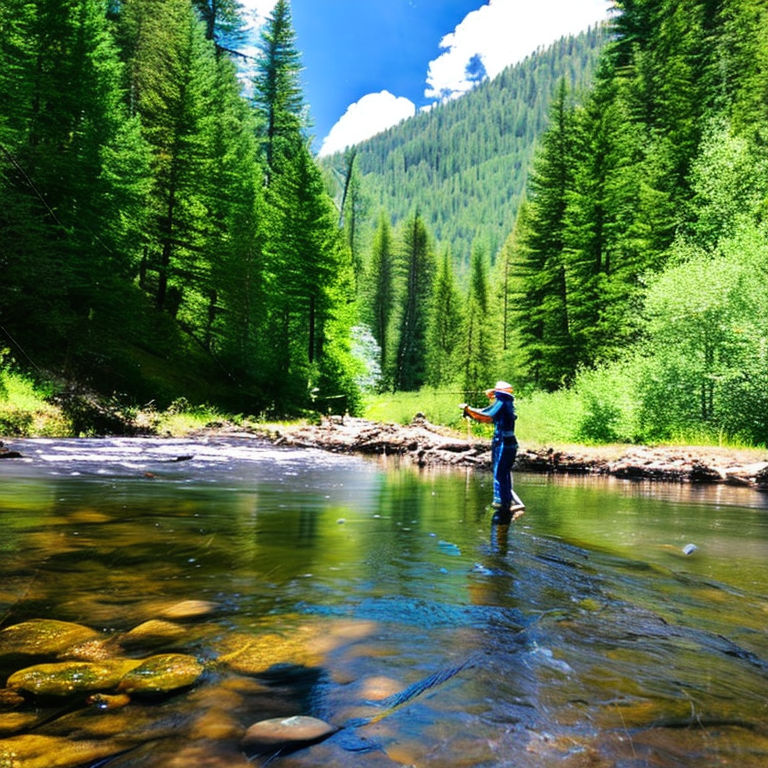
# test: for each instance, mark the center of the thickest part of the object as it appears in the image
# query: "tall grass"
(543, 418)
(602, 408)
(25, 409)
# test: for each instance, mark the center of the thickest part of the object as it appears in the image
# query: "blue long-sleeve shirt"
(502, 413)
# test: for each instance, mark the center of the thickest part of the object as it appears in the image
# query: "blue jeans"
(503, 455)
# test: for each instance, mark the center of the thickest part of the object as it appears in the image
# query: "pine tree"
(445, 334)
(602, 247)
(508, 293)
(172, 78)
(382, 288)
(542, 313)
(479, 353)
(740, 62)
(415, 267)
(353, 208)
(234, 230)
(277, 91)
(307, 262)
(223, 23)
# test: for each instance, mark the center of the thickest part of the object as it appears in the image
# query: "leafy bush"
(708, 319)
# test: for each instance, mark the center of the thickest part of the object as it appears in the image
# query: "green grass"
(25, 411)
(543, 418)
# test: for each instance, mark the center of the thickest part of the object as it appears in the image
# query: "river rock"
(188, 609)
(37, 751)
(761, 477)
(105, 701)
(255, 654)
(153, 632)
(13, 722)
(162, 673)
(70, 677)
(278, 731)
(46, 637)
(9, 699)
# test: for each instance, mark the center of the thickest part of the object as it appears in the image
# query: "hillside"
(464, 164)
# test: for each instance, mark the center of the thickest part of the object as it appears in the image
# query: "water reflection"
(331, 583)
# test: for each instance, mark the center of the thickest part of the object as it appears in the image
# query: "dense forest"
(163, 234)
(463, 164)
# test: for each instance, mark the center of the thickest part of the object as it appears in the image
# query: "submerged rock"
(162, 673)
(70, 677)
(106, 701)
(153, 632)
(13, 722)
(188, 609)
(36, 751)
(256, 654)
(49, 637)
(9, 699)
(277, 732)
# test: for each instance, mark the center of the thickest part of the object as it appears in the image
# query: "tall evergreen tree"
(740, 63)
(234, 234)
(445, 334)
(542, 313)
(416, 269)
(277, 90)
(172, 79)
(308, 265)
(603, 249)
(382, 287)
(479, 348)
(223, 23)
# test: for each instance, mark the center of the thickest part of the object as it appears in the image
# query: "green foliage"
(380, 294)
(609, 401)
(416, 268)
(143, 250)
(729, 182)
(401, 407)
(276, 88)
(478, 349)
(543, 309)
(708, 315)
(25, 409)
(446, 325)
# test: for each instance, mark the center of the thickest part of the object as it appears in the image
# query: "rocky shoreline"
(426, 445)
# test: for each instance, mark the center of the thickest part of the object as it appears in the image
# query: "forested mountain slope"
(463, 165)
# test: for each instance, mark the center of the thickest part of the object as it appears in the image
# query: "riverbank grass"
(545, 418)
(25, 408)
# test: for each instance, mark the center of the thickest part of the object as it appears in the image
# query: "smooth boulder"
(286, 731)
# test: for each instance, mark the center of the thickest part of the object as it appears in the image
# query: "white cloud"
(501, 33)
(256, 11)
(369, 115)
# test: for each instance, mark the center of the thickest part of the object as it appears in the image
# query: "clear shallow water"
(593, 640)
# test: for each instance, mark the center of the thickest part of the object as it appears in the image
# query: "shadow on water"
(382, 600)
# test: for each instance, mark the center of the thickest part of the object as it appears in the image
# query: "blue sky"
(370, 63)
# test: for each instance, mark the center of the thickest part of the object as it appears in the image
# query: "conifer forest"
(594, 218)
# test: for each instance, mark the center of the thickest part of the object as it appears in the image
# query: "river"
(582, 635)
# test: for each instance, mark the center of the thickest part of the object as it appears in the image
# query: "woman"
(501, 412)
